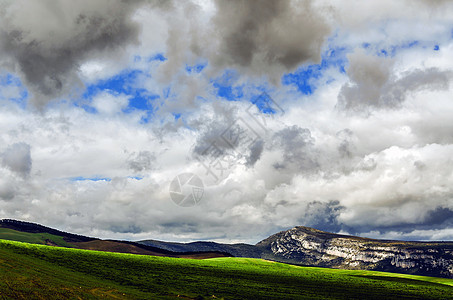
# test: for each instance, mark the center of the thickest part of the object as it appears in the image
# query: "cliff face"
(307, 246)
(311, 247)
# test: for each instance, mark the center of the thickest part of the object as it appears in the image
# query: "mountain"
(310, 247)
(34, 233)
(299, 245)
(236, 250)
(36, 228)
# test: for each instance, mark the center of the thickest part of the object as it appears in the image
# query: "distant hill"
(299, 245)
(20, 231)
(36, 228)
(237, 250)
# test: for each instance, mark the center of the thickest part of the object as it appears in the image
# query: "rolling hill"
(299, 245)
(15, 230)
(31, 271)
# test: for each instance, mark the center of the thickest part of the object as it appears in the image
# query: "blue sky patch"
(81, 178)
(87, 108)
(158, 57)
(306, 77)
(225, 86)
(128, 83)
(265, 103)
(393, 49)
(197, 68)
(10, 80)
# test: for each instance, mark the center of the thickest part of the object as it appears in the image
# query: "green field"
(32, 238)
(30, 271)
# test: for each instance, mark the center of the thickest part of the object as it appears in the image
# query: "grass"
(30, 271)
(32, 238)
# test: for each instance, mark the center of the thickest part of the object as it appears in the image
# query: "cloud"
(346, 145)
(297, 148)
(211, 127)
(258, 38)
(108, 104)
(17, 158)
(7, 189)
(323, 215)
(369, 74)
(46, 42)
(141, 161)
(367, 152)
(374, 82)
(53, 46)
(256, 150)
(268, 38)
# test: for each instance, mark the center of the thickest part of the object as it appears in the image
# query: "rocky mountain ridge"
(308, 246)
(311, 247)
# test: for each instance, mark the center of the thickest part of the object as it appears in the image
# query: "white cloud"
(380, 164)
(108, 104)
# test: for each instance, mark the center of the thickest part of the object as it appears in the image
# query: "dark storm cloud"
(127, 228)
(373, 83)
(296, 144)
(437, 218)
(211, 130)
(17, 158)
(47, 41)
(255, 152)
(322, 215)
(259, 38)
(261, 35)
(440, 216)
(228, 139)
(210, 142)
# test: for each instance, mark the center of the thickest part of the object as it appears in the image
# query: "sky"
(336, 115)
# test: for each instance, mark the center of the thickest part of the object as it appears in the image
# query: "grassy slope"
(32, 238)
(100, 245)
(35, 271)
